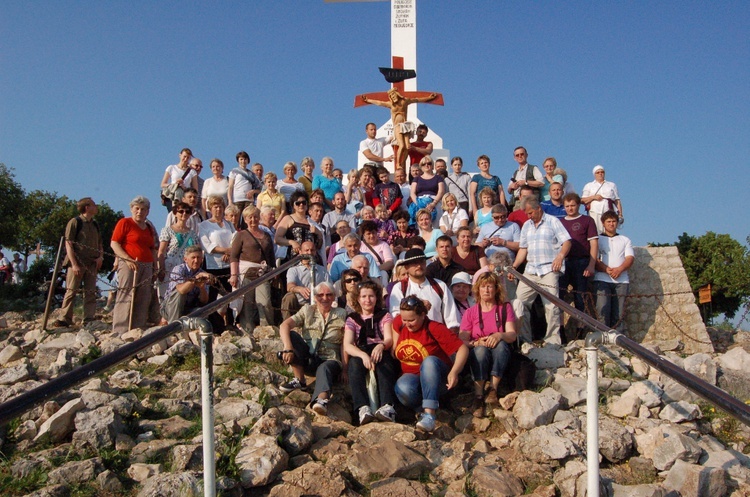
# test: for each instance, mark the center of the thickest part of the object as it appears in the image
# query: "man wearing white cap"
(600, 196)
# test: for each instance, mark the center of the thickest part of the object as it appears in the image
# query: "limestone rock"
(156, 448)
(735, 463)
(10, 353)
(61, 423)
(397, 487)
(491, 482)
(677, 412)
(644, 490)
(451, 468)
(51, 491)
(375, 433)
(313, 478)
(125, 378)
(701, 365)
(649, 392)
(616, 443)
(174, 427)
(235, 408)
(15, 374)
(172, 485)
(736, 359)
(624, 406)
(535, 409)
(571, 480)
(108, 481)
(224, 353)
(548, 357)
(573, 390)
(26, 431)
(289, 423)
(141, 472)
(260, 459)
(692, 479)
(98, 428)
(182, 348)
(187, 457)
(76, 471)
(665, 445)
(389, 458)
(545, 443)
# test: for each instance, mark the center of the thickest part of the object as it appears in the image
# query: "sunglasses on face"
(351, 280)
(183, 211)
(300, 202)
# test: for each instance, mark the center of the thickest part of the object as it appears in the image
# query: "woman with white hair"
(134, 242)
(313, 340)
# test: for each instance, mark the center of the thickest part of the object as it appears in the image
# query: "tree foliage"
(11, 205)
(721, 261)
(40, 217)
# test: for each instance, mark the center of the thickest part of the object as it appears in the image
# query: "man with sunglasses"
(191, 198)
(526, 175)
(500, 235)
(434, 293)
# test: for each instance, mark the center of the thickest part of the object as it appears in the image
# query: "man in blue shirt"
(188, 286)
(343, 261)
(554, 206)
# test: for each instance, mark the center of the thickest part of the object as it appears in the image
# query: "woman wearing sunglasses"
(295, 228)
(431, 357)
(314, 349)
(368, 338)
(173, 240)
(349, 280)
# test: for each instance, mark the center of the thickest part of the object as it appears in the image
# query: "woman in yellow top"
(272, 197)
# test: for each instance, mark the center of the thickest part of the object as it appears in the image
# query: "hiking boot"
(386, 413)
(426, 422)
(477, 407)
(290, 386)
(491, 398)
(320, 406)
(365, 415)
(61, 323)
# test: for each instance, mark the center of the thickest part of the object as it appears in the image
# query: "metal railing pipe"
(20, 404)
(710, 393)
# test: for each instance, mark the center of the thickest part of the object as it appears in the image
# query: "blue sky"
(97, 98)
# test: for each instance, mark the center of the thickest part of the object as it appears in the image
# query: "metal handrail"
(699, 386)
(22, 403)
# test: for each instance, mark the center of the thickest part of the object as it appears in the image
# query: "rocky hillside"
(136, 430)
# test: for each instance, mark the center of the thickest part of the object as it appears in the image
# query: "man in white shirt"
(611, 281)
(434, 293)
(372, 148)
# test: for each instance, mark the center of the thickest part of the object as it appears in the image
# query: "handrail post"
(207, 400)
(592, 413)
(52, 284)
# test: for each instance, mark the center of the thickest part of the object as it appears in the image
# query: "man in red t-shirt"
(419, 147)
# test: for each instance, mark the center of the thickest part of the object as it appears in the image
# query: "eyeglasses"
(351, 280)
(324, 295)
(500, 216)
(183, 211)
(300, 202)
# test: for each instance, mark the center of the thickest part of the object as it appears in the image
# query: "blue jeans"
(484, 361)
(424, 389)
(386, 372)
(610, 303)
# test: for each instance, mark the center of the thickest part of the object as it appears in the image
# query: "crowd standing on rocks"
(397, 329)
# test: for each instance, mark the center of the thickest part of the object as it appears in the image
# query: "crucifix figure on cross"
(398, 101)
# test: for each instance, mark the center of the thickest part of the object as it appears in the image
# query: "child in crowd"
(386, 192)
(386, 226)
(484, 213)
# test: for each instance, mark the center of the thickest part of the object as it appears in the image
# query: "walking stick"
(53, 283)
(132, 296)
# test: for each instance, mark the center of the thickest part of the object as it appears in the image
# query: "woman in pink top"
(488, 328)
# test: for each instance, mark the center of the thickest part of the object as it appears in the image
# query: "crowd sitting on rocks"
(405, 290)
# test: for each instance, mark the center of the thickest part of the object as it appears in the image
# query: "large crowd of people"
(403, 283)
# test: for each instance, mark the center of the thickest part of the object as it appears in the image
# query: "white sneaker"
(386, 413)
(365, 415)
(320, 406)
